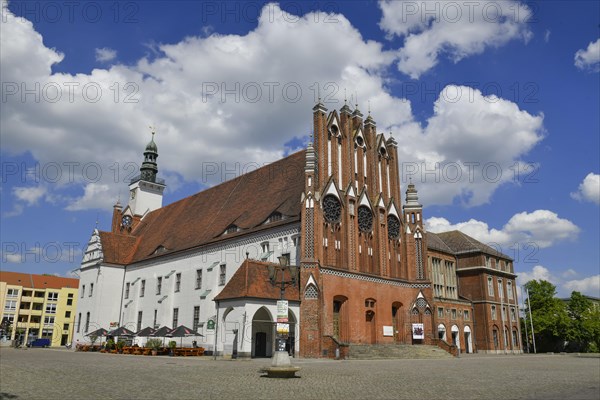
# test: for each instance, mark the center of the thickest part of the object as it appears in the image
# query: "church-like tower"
(145, 193)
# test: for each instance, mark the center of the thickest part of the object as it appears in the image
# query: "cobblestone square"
(62, 374)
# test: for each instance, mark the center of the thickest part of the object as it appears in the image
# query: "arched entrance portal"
(262, 333)
(442, 332)
(398, 321)
(339, 321)
(468, 340)
(455, 336)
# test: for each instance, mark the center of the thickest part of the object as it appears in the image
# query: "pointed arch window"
(311, 292)
(393, 227)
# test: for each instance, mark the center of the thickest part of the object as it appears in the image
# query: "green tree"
(585, 324)
(550, 318)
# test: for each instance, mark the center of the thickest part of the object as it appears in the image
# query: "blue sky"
(494, 105)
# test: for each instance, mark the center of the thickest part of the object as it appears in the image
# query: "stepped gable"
(463, 243)
(435, 243)
(251, 280)
(246, 202)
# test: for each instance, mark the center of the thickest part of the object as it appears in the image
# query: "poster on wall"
(388, 331)
(417, 331)
(283, 329)
(282, 311)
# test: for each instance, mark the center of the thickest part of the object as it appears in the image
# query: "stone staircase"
(381, 351)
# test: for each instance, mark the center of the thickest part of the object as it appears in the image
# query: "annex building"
(37, 306)
(370, 273)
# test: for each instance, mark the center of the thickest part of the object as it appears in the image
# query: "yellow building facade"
(37, 306)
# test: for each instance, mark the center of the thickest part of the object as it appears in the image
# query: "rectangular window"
(127, 286)
(513, 315)
(488, 262)
(12, 293)
(87, 322)
(91, 289)
(52, 296)
(142, 287)
(497, 263)
(503, 313)
(50, 308)
(500, 289)
(69, 302)
(196, 318)
(46, 333)
(198, 278)
(67, 314)
(177, 282)
(175, 317)
(453, 313)
(466, 315)
(65, 327)
(440, 312)
(222, 275)
(158, 285)
(70, 295)
(490, 286)
(82, 291)
(493, 312)
(79, 323)
(139, 321)
(10, 305)
(48, 320)
(509, 290)
(154, 324)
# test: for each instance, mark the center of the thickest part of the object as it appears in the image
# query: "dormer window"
(231, 229)
(160, 249)
(382, 151)
(334, 130)
(276, 216)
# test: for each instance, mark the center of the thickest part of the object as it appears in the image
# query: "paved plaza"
(62, 374)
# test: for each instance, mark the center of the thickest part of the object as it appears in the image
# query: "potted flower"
(154, 344)
(172, 345)
(120, 345)
(110, 345)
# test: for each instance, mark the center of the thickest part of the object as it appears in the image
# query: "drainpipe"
(216, 330)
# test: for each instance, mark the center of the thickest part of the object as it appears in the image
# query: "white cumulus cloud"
(220, 100)
(589, 59)
(468, 148)
(589, 189)
(456, 29)
(105, 54)
(589, 285)
(540, 228)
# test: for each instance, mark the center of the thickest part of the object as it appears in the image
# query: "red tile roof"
(246, 201)
(38, 281)
(252, 280)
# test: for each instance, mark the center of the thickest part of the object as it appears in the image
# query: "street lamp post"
(281, 365)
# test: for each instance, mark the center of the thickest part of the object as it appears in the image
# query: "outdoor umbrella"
(161, 332)
(183, 331)
(146, 332)
(99, 333)
(121, 331)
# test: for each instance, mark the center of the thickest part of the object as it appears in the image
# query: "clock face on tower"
(126, 221)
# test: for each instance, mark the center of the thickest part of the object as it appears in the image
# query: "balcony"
(26, 299)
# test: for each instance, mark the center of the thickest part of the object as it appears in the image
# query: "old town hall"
(370, 273)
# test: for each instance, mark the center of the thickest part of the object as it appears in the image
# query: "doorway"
(260, 344)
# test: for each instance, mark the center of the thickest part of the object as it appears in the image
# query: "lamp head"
(271, 269)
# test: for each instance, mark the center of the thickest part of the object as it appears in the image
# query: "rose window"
(332, 209)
